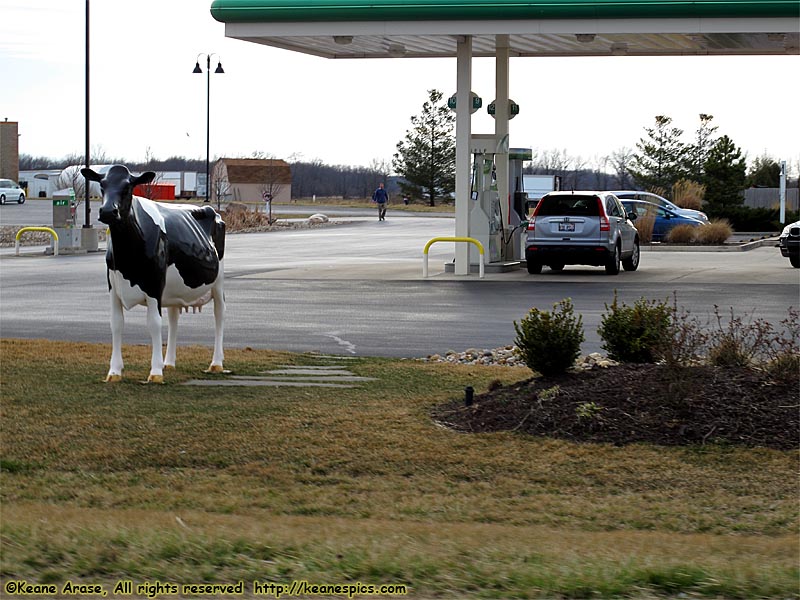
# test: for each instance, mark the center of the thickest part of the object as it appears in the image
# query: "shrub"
(682, 234)
(688, 194)
(550, 342)
(715, 233)
(744, 341)
(687, 340)
(743, 218)
(635, 333)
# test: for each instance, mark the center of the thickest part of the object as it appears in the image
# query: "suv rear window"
(569, 206)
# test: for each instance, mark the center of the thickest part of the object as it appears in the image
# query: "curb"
(744, 247)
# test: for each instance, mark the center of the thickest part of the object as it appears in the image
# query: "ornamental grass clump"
(682, 234)
(550, 342)
(714, 233)
(635, 334)
(688, 194)
(644, 225)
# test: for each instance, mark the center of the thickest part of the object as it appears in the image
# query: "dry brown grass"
(644, 225)
(360, 484)
(716, 232)
(688, 194)
(682, 234)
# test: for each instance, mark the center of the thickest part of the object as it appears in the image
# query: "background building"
(249, 179)
(9, 150)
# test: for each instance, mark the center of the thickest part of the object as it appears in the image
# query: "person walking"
(381, 197)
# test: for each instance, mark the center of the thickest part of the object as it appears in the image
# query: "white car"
(661, 201)
(10, 191)
(789, 243)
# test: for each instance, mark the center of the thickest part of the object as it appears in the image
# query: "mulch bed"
(640, 403)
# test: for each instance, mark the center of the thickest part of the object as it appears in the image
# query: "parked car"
(664, 218)
(661, 201)
(581, 228)
(10, 190)
(789, 243)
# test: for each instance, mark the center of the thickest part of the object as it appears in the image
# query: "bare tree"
(220, 186)
(620, 162)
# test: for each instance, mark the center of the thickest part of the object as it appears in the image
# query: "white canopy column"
(463, 162)
(501, 118)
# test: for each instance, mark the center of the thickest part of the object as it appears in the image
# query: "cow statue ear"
(145, 178)
(90, 175)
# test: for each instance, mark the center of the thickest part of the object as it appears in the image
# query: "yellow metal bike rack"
(452, 239)
(45, 229)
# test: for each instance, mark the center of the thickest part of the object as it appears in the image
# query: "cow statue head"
(117, 185)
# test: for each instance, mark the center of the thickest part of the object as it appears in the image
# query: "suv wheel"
(534, 268)
(795, 260)
(21, 199)
(612, 266)
(632, 263)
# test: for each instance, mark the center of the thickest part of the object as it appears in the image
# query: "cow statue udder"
(159, 255)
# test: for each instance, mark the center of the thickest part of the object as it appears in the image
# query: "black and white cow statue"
(159, 255)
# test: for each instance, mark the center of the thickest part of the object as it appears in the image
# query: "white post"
(783, 192)
(501, 117)
(463, 132)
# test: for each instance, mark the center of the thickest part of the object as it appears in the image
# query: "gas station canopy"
(432, 28)
(502, 29)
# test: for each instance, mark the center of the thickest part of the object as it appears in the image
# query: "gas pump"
(485, 216)
(64, 216)
(519, 203)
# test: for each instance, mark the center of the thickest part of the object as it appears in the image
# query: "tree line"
(424, 164)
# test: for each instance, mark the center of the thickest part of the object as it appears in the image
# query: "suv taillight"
(601, 209)
(532, 224)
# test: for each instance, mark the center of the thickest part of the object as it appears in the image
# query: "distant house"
(250, 179)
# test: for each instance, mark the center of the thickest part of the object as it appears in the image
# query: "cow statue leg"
(117, 325)
(218, 295)
(154, 327)
(173, 312)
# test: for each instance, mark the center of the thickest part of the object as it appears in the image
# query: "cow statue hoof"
(155, 379)
(215, 369)
(113, 378)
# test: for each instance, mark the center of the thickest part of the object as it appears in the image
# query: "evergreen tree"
(765, 172)
(426, 159)
(660, 160)
(698, 152)
(725, 174)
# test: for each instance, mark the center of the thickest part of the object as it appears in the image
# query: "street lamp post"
(197, 69)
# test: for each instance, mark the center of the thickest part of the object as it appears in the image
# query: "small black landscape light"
(469, 394)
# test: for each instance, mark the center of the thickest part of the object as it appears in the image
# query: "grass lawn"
(108, 482)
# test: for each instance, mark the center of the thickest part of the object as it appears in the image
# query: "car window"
(569, 206)
(612, 208)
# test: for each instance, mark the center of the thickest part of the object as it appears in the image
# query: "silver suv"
(581, 228)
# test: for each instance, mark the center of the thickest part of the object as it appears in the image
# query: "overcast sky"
(144, 95)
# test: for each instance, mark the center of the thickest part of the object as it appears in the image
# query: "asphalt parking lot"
(357, 288)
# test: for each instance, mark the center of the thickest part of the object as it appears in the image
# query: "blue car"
(665, 219)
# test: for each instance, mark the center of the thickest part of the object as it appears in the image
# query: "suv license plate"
(566, 226)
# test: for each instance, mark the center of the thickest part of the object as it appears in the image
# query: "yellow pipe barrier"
(452, 239)
(45, 229)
